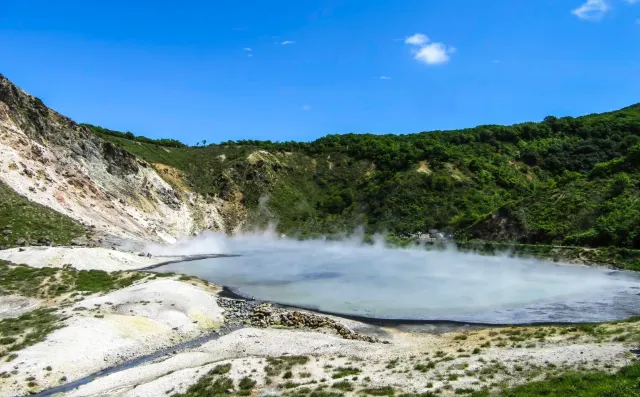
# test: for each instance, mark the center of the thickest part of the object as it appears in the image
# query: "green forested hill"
(563, 180)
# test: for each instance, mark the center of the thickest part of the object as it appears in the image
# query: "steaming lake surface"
(415, 284)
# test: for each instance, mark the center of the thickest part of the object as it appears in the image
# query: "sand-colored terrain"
(375, 365)
(81, 258)
(15, 305)
(103, 331)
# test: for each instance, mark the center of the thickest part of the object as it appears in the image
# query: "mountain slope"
(564, 180)
(58, 163)
(25, 222)
(560, 181)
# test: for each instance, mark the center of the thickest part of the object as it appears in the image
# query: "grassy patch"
(425, 367)
(26, 330)
(48, 282)
(323, 393)
(380, 391)
(392, 364)
(246, 383)
(214, 384)
(276, 366)
(344, 385)
(22, 219)
(624, 383)
(99, 281)
(342, 372)
(208, 387)
(220, 369)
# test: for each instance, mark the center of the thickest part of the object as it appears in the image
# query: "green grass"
(26, 330)
(425, 367)
(44, 283)
(380, 391)
(323, 393)
(246, 383)
(209, 387)
(278, 365)
(624, 383)
(50, 282)
(100, 281)
(214, 384)
(31, 221)
(220, 369)
(342, 372)
(344, 385)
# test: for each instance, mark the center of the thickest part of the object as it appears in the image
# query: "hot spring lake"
(414, 284)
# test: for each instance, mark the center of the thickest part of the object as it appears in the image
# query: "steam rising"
(350, 277)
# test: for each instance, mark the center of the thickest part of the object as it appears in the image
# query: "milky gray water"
(373, 281)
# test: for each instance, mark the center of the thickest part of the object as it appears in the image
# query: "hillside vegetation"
(564, 180)
(590, 384)
(24, 222)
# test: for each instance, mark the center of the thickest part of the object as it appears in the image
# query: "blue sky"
(284, 70)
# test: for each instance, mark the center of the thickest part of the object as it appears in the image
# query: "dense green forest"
(572, 181)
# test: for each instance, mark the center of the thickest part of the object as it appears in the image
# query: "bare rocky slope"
(59, 163)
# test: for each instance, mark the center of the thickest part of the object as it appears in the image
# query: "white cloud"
(385, 78)
(433, 54)
(632, 1)
(417, 39)
(429, 52)
(593, 10)
(249, 55)
(247, 49)
(306, 107)
(287, 42)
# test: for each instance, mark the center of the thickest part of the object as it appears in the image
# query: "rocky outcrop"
(505, 224)
(57, 162)
(265, 315)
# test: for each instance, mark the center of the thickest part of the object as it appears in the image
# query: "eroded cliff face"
(56, 162)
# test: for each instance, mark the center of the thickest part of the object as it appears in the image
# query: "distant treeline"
(555, 145)
(130, 136)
